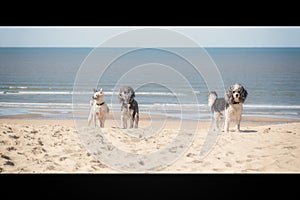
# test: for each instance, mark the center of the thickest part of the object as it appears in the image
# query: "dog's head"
(236, 94)
(126, 94)
(98, 95)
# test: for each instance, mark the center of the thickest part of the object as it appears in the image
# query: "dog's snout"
(236, 95)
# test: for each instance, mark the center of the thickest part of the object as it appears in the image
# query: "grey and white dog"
(229, 107)
(129, 108)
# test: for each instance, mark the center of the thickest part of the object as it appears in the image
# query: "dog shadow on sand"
(248, 131)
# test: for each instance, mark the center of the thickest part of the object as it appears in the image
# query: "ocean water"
(57, 83)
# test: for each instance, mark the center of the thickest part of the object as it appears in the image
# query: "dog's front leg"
(90, 119)
(124, 118)
(131, 116)
(238, 118)
(91, 116)
(95, 120)
(102, 121)
(131, 121)
(238, 122)
(134, 120)
(137, 118)
(124, 121)
(226, 126)
(216, 121)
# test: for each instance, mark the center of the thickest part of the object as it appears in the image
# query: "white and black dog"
(229, 107)
(129, 108)
(99, 109)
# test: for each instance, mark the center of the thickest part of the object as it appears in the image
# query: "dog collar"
(100, 104)
(236, 102)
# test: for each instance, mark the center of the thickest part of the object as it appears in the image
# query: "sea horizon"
(42, 81)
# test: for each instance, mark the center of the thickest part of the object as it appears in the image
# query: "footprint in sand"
(3, 142)
(10, 163)
(11, 149)
(40, 142)
(259, 148)
(5, 157)
(252, 156)
(173, 150)
(38, 150)
(13, 136)
(290, 147)
(217, 170)
(267, 130)
(289, 131)
(227, 164)
(8, 160)
(242, 161)
(9, 130)
(34, 131)
(190, 155)
(205, 164)
(229, 153)
(197, 161)
(68, 151)
(51, 167)
(62, 158)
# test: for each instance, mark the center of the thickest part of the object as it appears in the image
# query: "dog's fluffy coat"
(129, 107)
(229, 107)
(99, 109)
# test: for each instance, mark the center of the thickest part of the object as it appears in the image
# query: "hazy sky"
(210, 36)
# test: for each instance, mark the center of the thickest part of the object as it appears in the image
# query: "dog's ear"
(95, 90)
(244, 93)
(120, 96)
(228, 94)
(132, 93)
(101, 91)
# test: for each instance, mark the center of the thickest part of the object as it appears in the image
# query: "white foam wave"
(89, 93)
(34, 105)
(254, 109)
(176, 105)
(272, 106)
(160, 93)
(17, 87)
(43, 92)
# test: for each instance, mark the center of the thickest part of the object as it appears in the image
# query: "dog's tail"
(212, 98)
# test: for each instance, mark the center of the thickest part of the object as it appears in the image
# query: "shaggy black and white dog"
(229, 107)
(129, 108)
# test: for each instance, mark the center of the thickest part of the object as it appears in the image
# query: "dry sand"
(265, 145)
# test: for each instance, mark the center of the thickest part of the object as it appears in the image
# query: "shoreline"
(116, 116)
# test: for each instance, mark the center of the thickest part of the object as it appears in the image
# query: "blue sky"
(205, 36)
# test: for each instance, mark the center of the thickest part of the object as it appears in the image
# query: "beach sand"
(265, 145)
